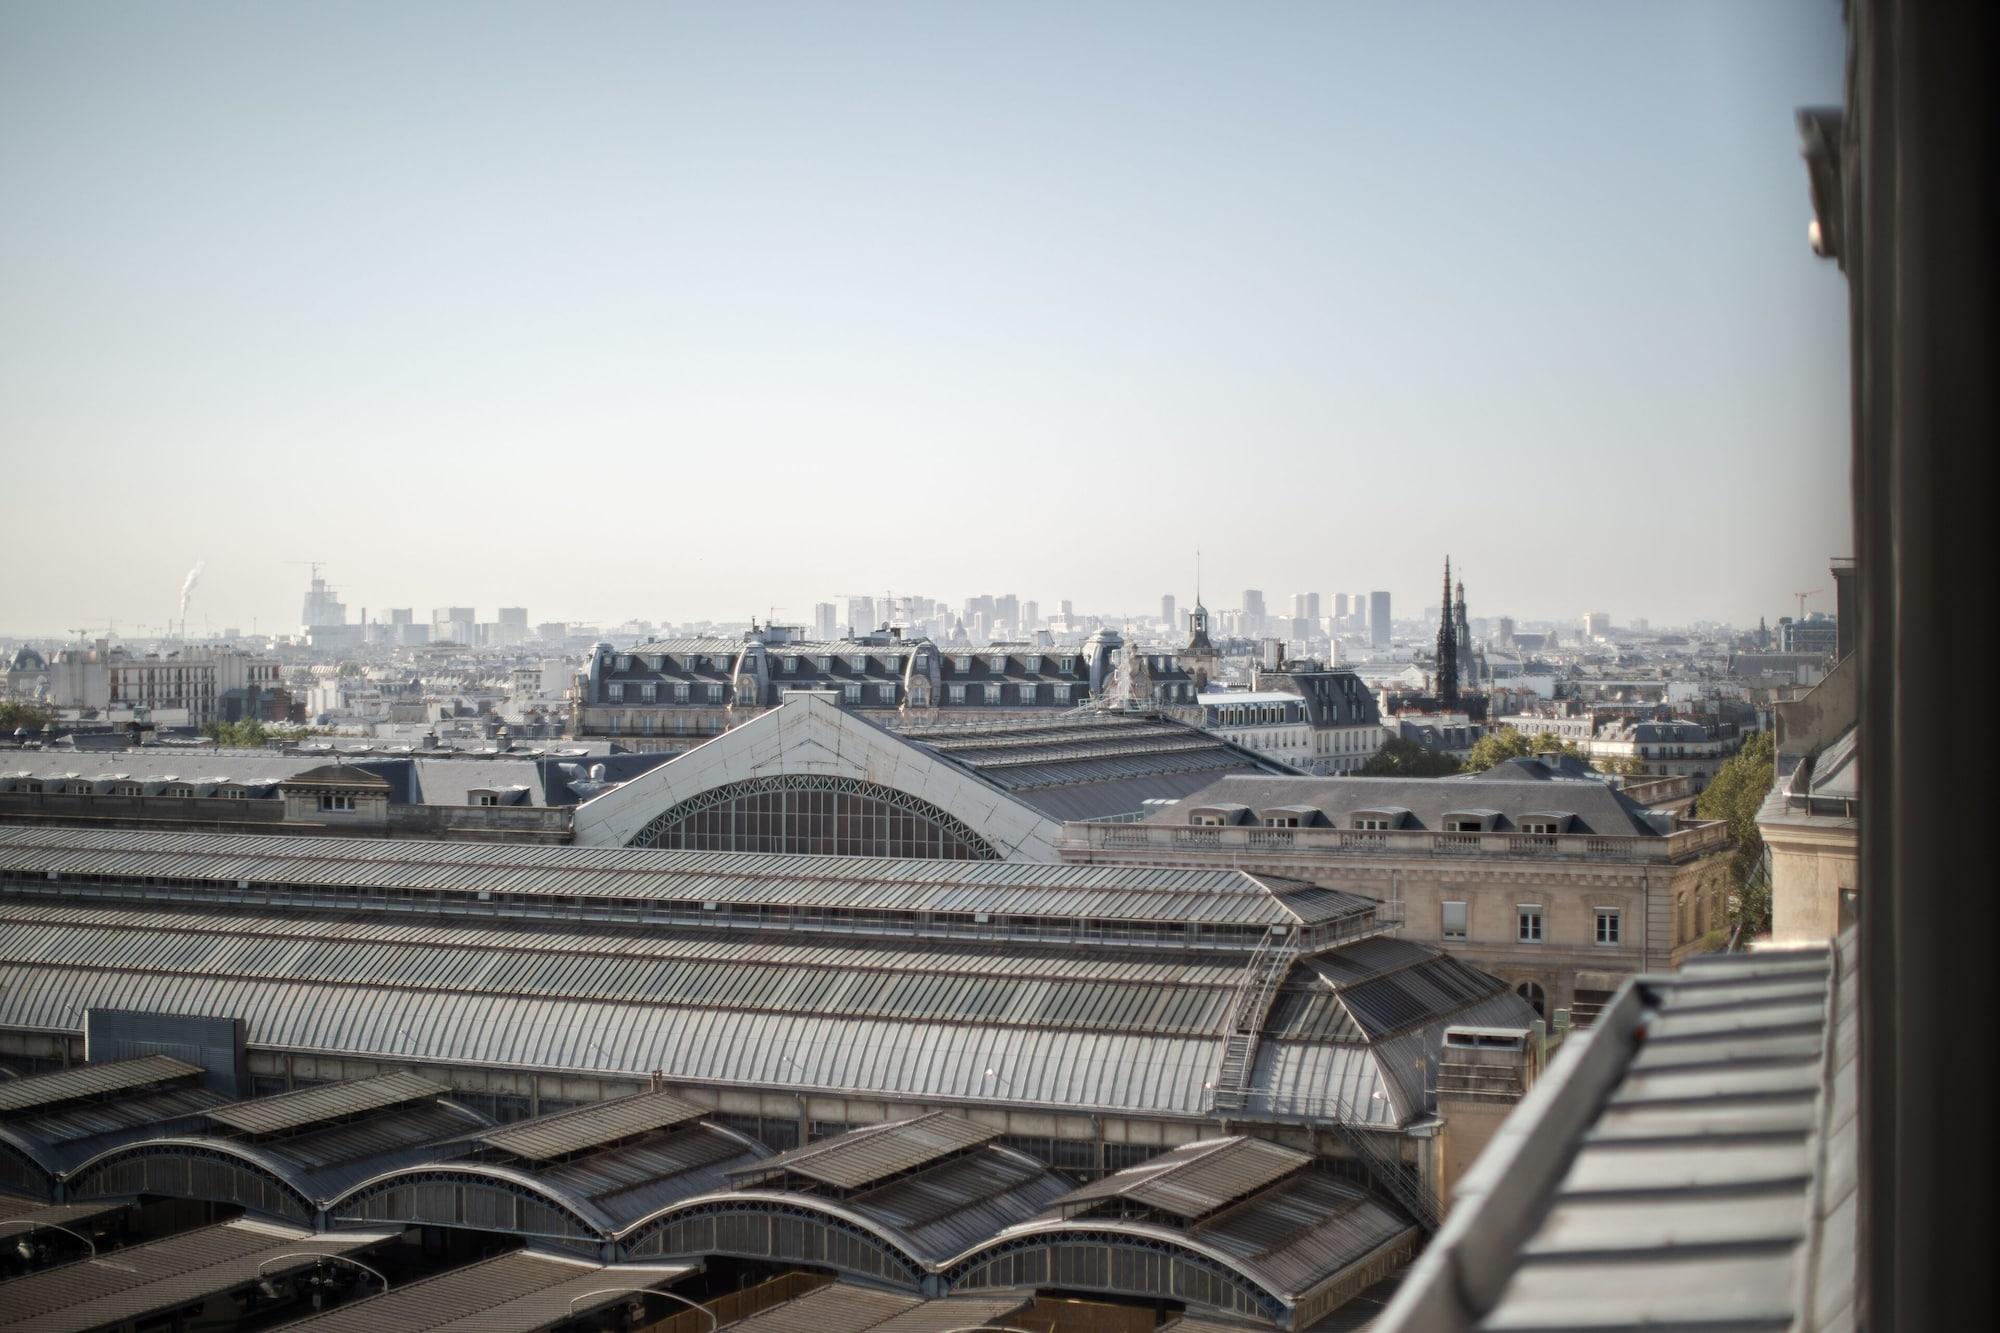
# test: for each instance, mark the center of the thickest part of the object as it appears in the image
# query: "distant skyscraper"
(451, 624)
(1068, 610)
(322, 607)
(1031, 617)
(1312, 608)
(1596, 624)
(1167, 610)
(1378, 619)
(512, 625)
(1340, 606)
(861, 614)
(1253, 613)
(826, 621)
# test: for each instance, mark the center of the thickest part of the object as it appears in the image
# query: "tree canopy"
(1733, 796)
(250, 734)
(1400, 758)
(1497, 747)
(21, 713)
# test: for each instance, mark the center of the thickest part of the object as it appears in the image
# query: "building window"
(681, 692)
(792, 666)
(852, 693)
(485, 798)
(1454, 920)
(1607, 925)
(1026, 693)
(715, 694)
(1541, 827)
(1371, 823)
(332, 802)
(964, 664)
(1528, 919)
(1534, 995)
(614, 692)
(624, 662)
(887, 694)
(956, 693)
(649, 693)
(1062, 694)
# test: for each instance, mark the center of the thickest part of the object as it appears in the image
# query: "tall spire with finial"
(1447, 647)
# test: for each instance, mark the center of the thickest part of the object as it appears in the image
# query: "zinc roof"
(1677, 1167)
(564, 1132)
(163, 1275)
(68, 1085)
(860, 1157)
(945, 1210)
(333, 1101)
(518, 1292)
(1599, 807)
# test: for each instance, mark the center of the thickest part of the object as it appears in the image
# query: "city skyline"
(493, 304)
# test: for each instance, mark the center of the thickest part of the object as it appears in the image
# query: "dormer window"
(1207, 821)
(1463, 826)
(624, 662)
(1371, 823)
(792, 666)
(1281, 821)
(824, 665)
(1544, 827)
(964, 664)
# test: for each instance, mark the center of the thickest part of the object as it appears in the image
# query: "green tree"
(1733, 795)
(1497, 747)
(1400, 758)
(16, 713)
(248, 734)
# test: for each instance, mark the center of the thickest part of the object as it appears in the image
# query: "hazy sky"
(680, 311)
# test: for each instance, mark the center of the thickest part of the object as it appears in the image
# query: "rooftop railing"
(1680, 845)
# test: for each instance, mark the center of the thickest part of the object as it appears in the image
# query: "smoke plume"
(187, 585)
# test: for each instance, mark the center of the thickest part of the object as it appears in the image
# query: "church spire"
(1447, 647)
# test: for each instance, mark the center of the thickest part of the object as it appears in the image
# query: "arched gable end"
(1116, 1263)
(796, 1232)
(456, 1197)
(179, 1170)
(822, 814)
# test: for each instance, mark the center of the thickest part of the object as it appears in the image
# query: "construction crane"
(1802, 600)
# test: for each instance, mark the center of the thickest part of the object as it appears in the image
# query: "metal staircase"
(1385, 1169)
(1269, 963)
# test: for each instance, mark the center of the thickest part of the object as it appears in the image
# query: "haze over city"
(691, 312)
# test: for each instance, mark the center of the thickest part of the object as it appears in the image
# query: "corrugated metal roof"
(863, 1156)
(955, 1312)
(68, 1085)
(518, 1292)
(627, 1183)
(332, 1101)
(547, 1137)
(944, 1211)
(1193, 1180)
(962, 888)
(1026, 987)
(24, 1215)
(1304, 1231)
(1077, 1068)
(163, 1275)
(840, 1308)
(59, 1140)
